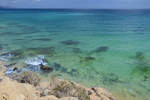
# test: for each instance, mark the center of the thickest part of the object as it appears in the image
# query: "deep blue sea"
(106, 48)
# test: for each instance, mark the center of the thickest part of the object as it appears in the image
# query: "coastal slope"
(56, 89)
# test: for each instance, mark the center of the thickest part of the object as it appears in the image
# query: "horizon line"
(73, 8)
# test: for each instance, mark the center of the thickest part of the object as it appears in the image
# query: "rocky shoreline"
(28, 86)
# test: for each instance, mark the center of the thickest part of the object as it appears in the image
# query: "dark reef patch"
(46, 68)
(87, 59)
(70, 42)
(19, 39)
(101, 49)
(8, 33)
(43, 39)
(49, 51)
(76, 50)
(10, 65)
(111, 79)
(73, 72)
(12, 55)
(59, 67)
(142, 66)
(1, 47)
(30, 29)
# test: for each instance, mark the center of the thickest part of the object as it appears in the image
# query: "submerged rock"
(102, 94)
(59, 67)
(1, 48)
(87, 59)
(15, 54)
(49, 51)
(70, 42)
(110, 79)
(139, 55)
(10, 71)
(45, 68)
(37, 64)
(142, 66)
(43, 39)
(32, 68)
(10, 65)
(73, 72)
(6, 56)
(101, 49)
(76, 50)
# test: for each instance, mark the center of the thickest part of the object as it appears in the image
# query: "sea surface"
(106, 48)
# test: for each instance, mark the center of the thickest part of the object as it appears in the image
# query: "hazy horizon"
(76, 4)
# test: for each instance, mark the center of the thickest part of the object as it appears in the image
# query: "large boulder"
(26, 77)
(12, 90)
(63, 88)
(100, 94)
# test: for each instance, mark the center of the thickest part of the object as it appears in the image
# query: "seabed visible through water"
(106, 48)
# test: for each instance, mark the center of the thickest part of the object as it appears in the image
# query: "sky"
(78, 4)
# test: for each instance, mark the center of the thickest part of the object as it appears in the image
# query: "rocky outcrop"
(15, 88)
(26, 77)
(12, 90)
(63, 88)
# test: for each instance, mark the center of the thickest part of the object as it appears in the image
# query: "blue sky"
(130, 4)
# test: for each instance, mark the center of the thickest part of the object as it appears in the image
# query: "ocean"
(96, 48)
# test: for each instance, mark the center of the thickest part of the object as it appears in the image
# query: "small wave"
(6, 57)
(35, 61)
(10, 71)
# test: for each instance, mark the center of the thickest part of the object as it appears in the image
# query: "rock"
(139, 55)
(27, 77)
(101, 49)
(110, 79)
(10, 65)
(70, 42)
(102, 94)
(45, 68)
(49, 98)
(59, 67)
(49, 51)
(1, 48)
(11, 90)
(73, 72)
(11, 55)
(66, 90)
(68, 98)
(69, 89)
(1, 79)
(11, 70)
(76, 50)
(43, 39)
(87, 59)
(20, 97)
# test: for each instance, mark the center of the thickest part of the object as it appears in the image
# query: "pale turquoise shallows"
(106, 48)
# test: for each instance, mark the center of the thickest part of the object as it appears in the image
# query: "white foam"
(35, 61)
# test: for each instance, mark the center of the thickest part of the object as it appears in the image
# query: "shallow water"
(107, 48)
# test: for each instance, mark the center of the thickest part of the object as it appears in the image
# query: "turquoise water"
(106, 48)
